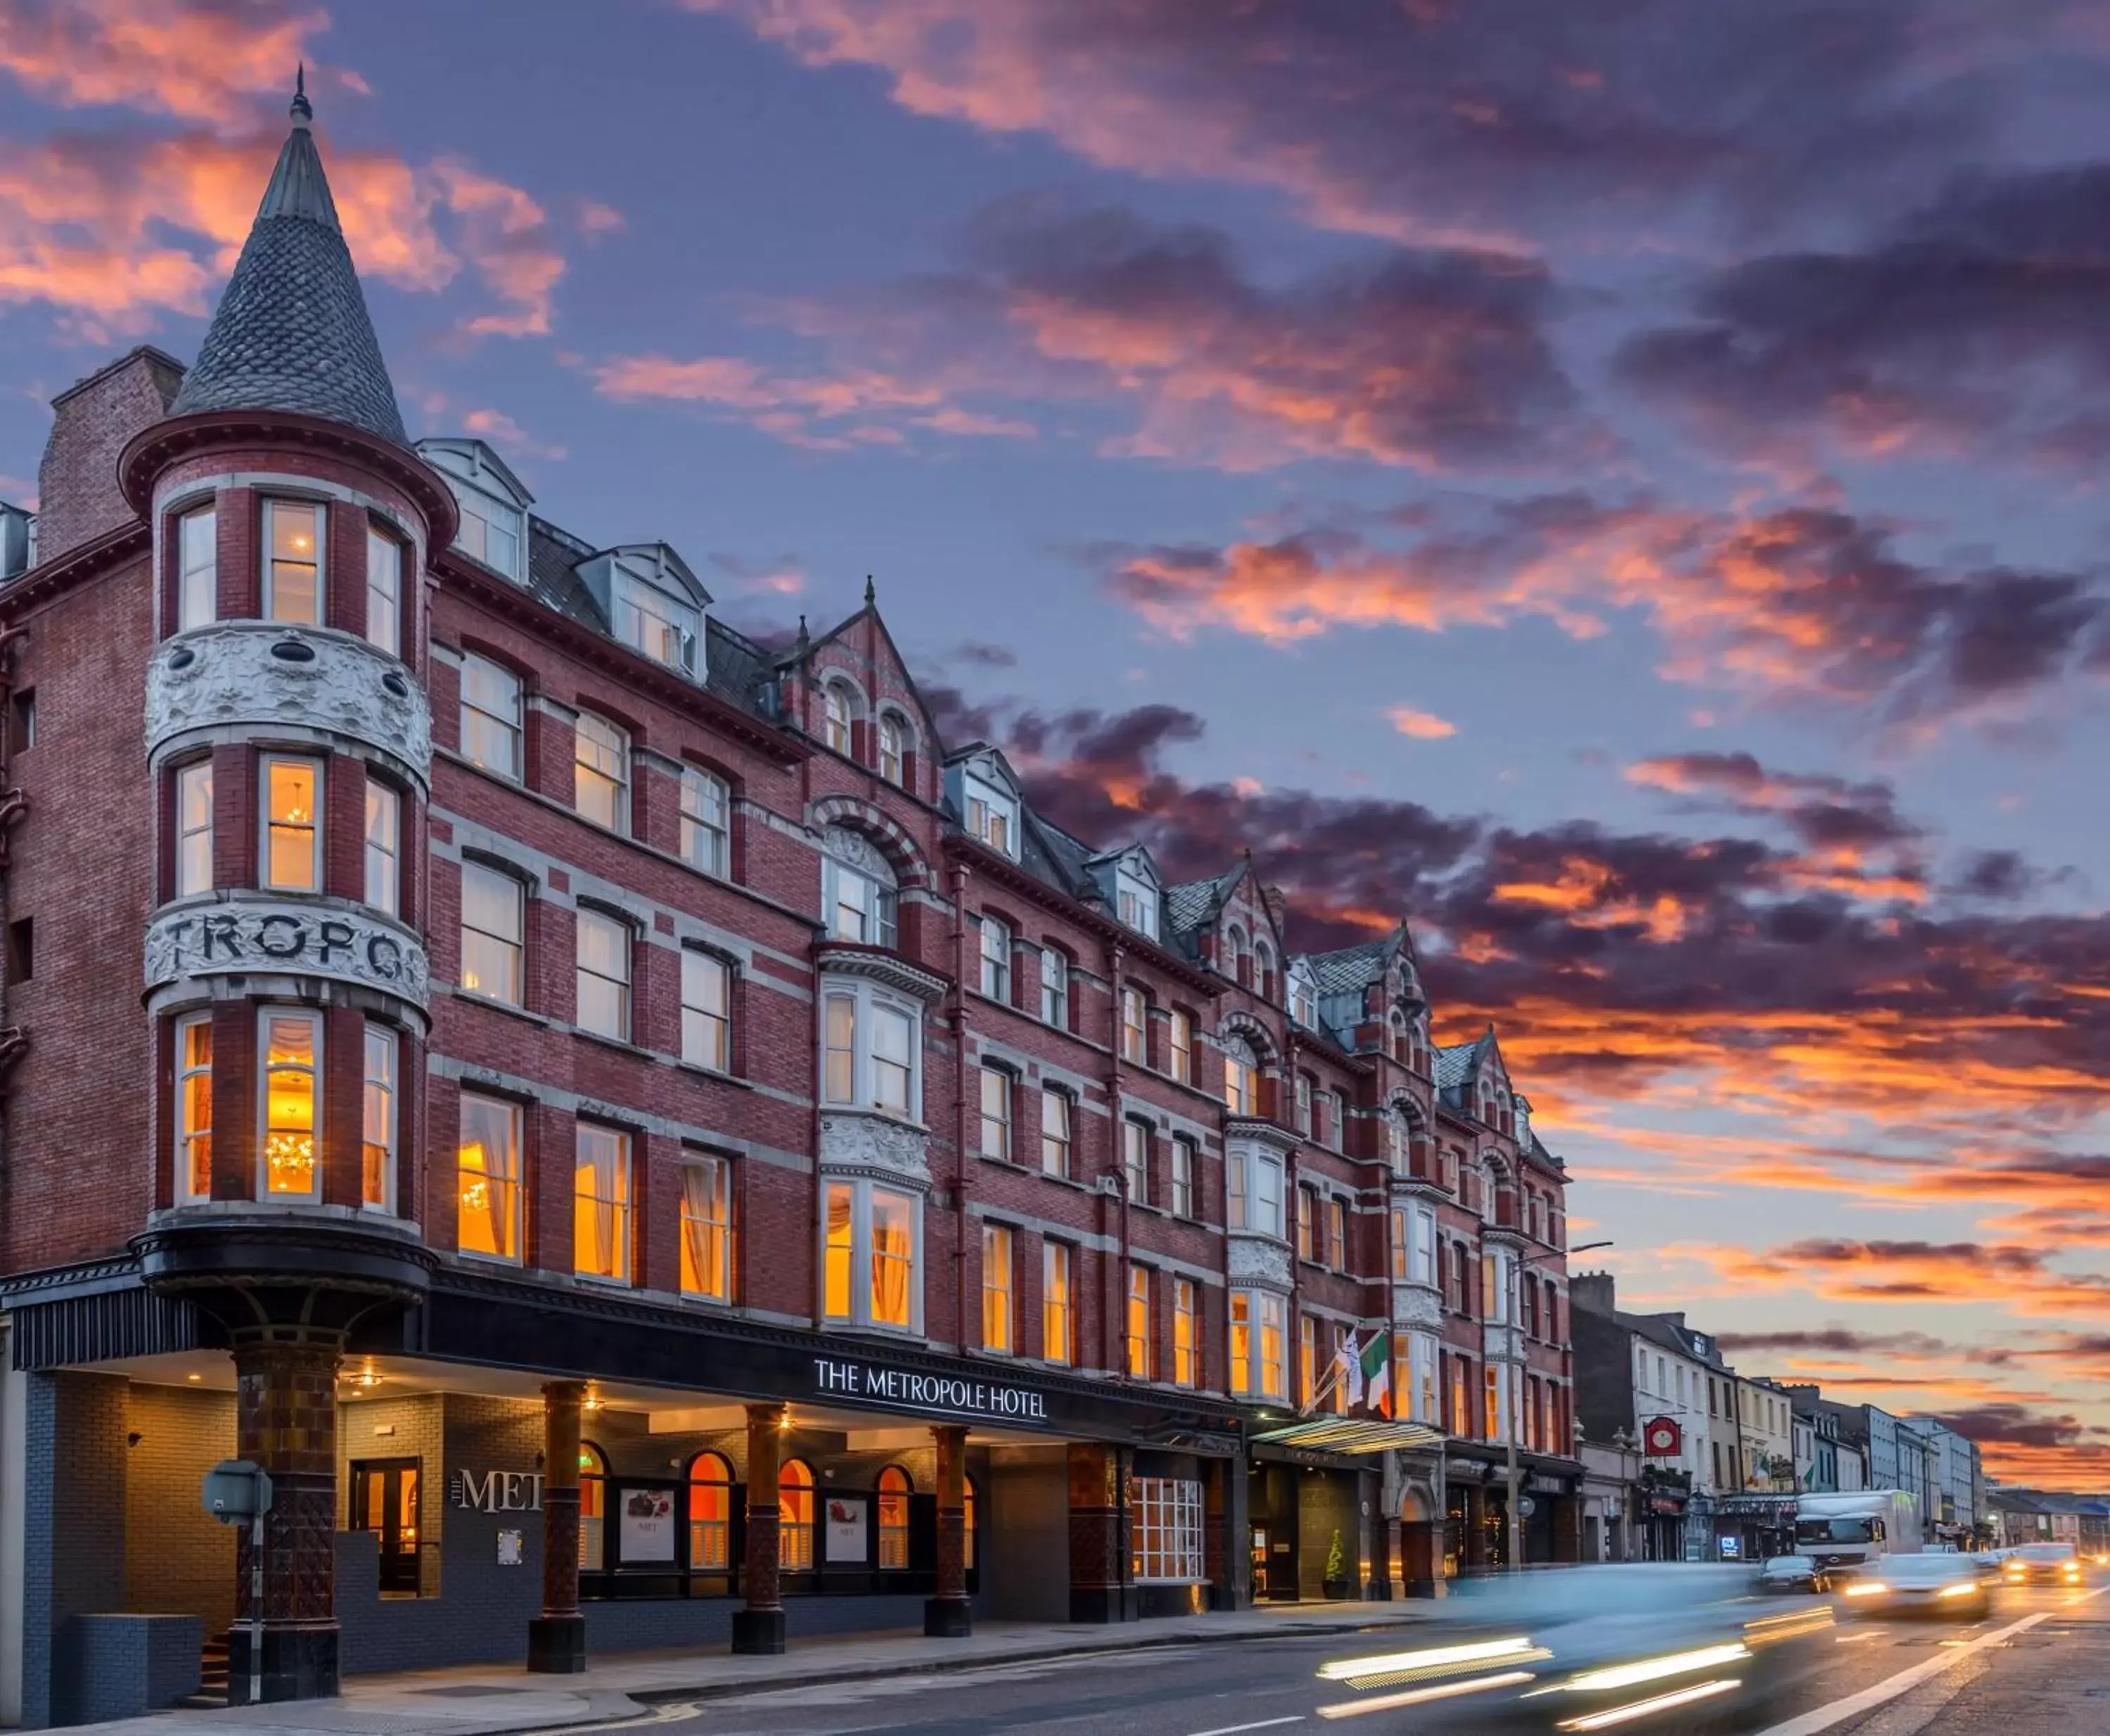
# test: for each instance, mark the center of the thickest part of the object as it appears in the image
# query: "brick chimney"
(1591, 1290)
(77, 495)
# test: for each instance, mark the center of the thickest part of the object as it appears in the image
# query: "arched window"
(1241, 957)
(1402, 1050)
(1264, 970)
(710, 1514)
(837, 708)
(893, 1486)
(967, 1501)
(893, 747)
(858, 889)
(795, 1510)
(593, 1507)
(1241, 1077)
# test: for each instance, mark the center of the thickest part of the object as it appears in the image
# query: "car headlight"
(1959, 1591)
(1866, 1589)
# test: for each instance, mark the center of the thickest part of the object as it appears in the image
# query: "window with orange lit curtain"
(710, 1514)
(707, 1231)
(894, 1488)
(487, 1220)
(794, 1512)
(292, 1043)
(600, 1200)
(194, 1108)
(293, 827)
(293, 569)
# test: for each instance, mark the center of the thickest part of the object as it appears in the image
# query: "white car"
(1920, 1584)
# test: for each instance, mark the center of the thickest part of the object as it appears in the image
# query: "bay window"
(999, 1301)
(871, 1044)
(377, 1188)
(705, 827)
(384, 847)
(291, 1048)
(1185, 1370)
(292, 825)
(491, 715)
(1256, 1191)
(601, 1204)
(995, 959)
(1307, 1360)
(1183, 1166)
(1135, 1042)
(996, 1089)
(198, 568)
(1058, 1318)
(1135, 1161)
(487, 1178)
(194, 829)
(1258, 1320)
(493, 925)
(1240, 1077)
(193, 1107)
(1421, 1402)
(1421, 1267)
(1054, 1134)
(384, 592)
(707, 1228)
(604, 975)
(706, 1010)
(293, 563)
(600, 772)
(1396, 1235)
(1141, 1363)
(871, 1255)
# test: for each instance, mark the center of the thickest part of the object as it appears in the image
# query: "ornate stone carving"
(261, 673)
(854, 849)
(1503, 1343)
(258, 935)
(1256, 1259)
(1414, 1306)
(845, 959)
(871, 1144)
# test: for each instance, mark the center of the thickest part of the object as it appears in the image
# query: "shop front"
(1549, 1510)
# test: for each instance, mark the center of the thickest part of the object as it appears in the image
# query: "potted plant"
(1338, 1585)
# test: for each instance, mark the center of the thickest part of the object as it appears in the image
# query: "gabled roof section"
(291, 331)
(1195, 904)
(994, 759)
(925, 724)
(1456, 1064)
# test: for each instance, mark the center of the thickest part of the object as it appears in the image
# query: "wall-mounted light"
(194, 1379)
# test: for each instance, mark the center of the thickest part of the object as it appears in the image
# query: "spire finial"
(869, 593)
(804, 638)
(301, 110)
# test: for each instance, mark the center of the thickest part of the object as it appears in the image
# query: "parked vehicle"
(1847, 1534)
(1793, 1572)
(1920, 1584)
(2043, 1564)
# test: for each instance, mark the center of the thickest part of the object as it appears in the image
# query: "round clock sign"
(1663, 1438)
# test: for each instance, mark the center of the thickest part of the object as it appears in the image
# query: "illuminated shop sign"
(911, 1390)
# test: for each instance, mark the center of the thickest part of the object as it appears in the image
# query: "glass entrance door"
(384, 1500)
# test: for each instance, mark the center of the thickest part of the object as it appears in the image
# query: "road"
(2038, 1665)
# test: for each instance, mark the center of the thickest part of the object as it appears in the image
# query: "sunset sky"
(1616, 484)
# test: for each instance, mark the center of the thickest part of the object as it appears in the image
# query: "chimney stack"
(78, 498)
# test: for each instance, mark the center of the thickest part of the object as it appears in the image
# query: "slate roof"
(291, 331)
(1351, 969)
(1455, 1065)
(1192, 904)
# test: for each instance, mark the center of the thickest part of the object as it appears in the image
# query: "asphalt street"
(2038, 1664)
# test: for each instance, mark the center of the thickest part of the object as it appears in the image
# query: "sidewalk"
(491, 1699)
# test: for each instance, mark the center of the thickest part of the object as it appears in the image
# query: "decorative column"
(758, 1627)
(286, 1422)
(948, 1615)
(1099, 1590)
(557, 1638)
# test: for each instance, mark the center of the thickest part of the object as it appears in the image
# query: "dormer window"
(489, 532)
(493, 503)
(1303, 1001)
(1136, 901)
(993, 817)
(647, 620)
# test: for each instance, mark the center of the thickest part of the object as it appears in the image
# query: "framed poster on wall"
(848, 1540)
(645, 1525)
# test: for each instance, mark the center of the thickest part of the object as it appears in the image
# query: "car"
(1920, 1584)
(1793, 1572)
(2043, 1564)
(1986, 1562)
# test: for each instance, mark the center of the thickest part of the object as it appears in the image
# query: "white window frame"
(653, 623)
(1256, 1315)
(319, 517)
(512, 1178)
(1423, 1396)
(706, 1030)
(1063, 1142)
(1186, 1164)
(503, 687)
(1169, 1527)
(1180, 1044)
(1054, 988)
(862, 1313)
(488, 513)
(992, 815)
(384, 592)
(601, 761)
(1000, 1289)
(484, 873)
(608, 924)
(998, 1090)
(1241, 1077)
(1058, 1302)
(717, 1231)
(379, 1119)
(266, 876)
(192, 878)
(838, 711)
(185, 1133)
(1421, 1262)
(1186, 1334)
(1135, 1034)
(706, 804)
(267, 1015)
(1135, 1159)
(605, 1142)
(869, 1004)
(995, 976)
(1136, 900)
(1304, 1104)
(197, 579)
(875, 905)
(1256, 1193)
(893, 749)
(1139, 1349)
(384, 847)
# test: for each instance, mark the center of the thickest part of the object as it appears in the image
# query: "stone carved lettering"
(263, 936)
(228, 675)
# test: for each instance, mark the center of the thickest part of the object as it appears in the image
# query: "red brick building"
(639, 1139)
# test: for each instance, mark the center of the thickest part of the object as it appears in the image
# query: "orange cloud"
(199, 63)
(1424, 726)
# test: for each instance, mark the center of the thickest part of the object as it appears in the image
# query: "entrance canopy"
(1351, 1434)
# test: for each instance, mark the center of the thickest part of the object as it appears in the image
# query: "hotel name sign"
(912, 1389)
(259, 934)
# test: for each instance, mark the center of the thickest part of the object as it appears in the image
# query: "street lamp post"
(1516, 1394)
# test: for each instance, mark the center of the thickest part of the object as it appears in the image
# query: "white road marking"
(1264, 1723)
(1824, 1717)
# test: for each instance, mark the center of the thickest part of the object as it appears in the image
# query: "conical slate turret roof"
(292, 331)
